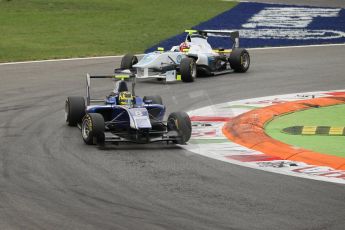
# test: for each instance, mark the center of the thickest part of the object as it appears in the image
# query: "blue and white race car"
(124, 117)
(191, 58)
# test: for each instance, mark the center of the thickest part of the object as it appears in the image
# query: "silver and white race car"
(192, 58)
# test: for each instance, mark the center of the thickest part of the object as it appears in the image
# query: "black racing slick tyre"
(188, 69)
(74, 110)
(154, 99)
(92, 129)
(128, 61)
(239, 60)
(180, 122)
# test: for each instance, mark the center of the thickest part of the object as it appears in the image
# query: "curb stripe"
(309, 130)
(315, 130)
(336, 131)
(210, 119)
(248, 130)
(253, 158)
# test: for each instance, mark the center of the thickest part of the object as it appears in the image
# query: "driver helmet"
(125, 98)
(184, 46)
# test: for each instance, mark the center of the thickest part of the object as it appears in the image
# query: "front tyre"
(92, 129)
(128, 61)
(239, 60)
(74, 110)
(188, 69)
(180, 122)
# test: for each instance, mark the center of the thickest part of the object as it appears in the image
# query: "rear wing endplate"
(89, 100)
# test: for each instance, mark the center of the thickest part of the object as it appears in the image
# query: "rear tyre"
(180, 122)
(128, 61)
(74, 110)
(92, 129)
(188, 69)
(239, 60)
(154, 99)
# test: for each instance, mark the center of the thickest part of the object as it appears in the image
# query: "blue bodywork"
(136, 119)
(121, 115)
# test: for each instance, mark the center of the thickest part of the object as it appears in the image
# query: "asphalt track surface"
(51, 180)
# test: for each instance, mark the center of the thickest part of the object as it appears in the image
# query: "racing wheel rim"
(245, 60)
(172, 124)
(193, 70)
(86, 128)
(66, 111)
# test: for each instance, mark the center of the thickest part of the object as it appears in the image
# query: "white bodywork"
(139, 118)
(199, 47)
(159, 60)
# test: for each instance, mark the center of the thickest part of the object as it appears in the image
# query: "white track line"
(58, 60)
(117, 56)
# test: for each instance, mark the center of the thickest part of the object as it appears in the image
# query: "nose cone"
(148, 60)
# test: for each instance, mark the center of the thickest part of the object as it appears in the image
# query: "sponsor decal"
(277, 164)
(263, 24)
(178, 59)
(138, 113)
(288, 17)
(206, 129)
(322, 171)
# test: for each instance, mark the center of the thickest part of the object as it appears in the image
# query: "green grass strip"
(45, 29)
(324, 116)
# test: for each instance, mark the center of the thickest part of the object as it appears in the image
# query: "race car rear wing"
(234, 35)
(122, 77)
